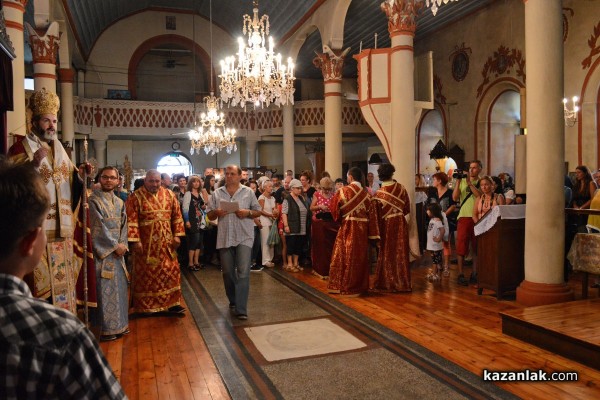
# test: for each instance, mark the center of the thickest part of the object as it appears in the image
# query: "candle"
(360, 47)
(375, 39)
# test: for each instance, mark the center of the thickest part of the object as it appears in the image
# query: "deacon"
(351, 205)
(109, 236)
(155, 226)
(55, 278)
(392, 207)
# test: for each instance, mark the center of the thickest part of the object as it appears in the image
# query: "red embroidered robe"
(349, 269)
(153, 220)
(391, 203)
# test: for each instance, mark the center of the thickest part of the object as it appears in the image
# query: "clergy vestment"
(55, 278)
(109, 229)
(154, 220)
(349, 270)
(392, 205)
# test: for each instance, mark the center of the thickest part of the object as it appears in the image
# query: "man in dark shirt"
(47, 353)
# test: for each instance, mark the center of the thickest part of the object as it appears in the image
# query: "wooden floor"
(165, 358)
(571, 329)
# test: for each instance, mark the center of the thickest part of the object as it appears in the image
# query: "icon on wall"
(460, 62)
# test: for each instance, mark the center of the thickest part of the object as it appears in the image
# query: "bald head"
(152, 181)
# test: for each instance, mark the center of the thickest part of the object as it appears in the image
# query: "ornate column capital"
(44, 48)
(402, 15)
(331, 63)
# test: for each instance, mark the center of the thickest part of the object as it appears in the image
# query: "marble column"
(251, 145)
(13, 14)
(66, 78)
(331, 63)
(288, 138)
(45, 51)
(401, 26)
(544, 222)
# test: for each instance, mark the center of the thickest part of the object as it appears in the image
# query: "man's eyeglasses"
(109, 178)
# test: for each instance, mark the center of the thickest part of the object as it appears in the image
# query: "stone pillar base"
(538, 294)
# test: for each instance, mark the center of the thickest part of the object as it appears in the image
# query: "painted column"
(100, 151)
(545, 222)
(251, 145)
(288, 138)
(13, 14)
(45, 51)
(331, 63)
(401, 26)
(66, 78)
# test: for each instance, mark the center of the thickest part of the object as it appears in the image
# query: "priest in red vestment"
(392, 206)
(155, 227)
(352, 207)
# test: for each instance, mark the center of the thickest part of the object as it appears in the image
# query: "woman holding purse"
(193, 215)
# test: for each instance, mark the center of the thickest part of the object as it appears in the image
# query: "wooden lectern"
(501, 249)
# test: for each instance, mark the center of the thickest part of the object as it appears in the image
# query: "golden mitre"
(44, 102)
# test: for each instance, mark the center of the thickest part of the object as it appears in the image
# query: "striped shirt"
(47, 353)
(232, 230)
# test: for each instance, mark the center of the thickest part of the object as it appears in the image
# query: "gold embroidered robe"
(154, 220)
(55, 278)
(391, 203)
(349, 269)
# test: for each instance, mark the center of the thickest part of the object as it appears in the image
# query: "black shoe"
(108, 338)
(242, 317)
(177, 309)
(256, 268)
(473, 278)
(462, 281)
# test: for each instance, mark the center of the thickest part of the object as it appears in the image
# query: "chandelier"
(435, 4)
(571, 113)
(210, 133)
(258, 76)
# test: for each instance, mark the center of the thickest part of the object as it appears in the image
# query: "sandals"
(195, 267)
(291, 268)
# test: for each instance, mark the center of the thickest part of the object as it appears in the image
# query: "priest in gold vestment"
(392, 206)
(155, 226)
(55, 278)
(352, 207)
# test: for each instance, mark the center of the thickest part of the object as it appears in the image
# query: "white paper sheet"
(229, 206)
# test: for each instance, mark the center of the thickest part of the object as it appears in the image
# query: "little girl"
(435, 235)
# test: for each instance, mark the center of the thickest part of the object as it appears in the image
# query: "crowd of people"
(238, 224)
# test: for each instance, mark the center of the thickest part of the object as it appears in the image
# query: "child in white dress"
(435, 236)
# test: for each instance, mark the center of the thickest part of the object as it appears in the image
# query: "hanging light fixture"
(258, 76)
(435, 4)
(210, 133)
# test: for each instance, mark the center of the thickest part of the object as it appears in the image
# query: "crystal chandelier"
(435, 4)
(210, 133)
(258, 77)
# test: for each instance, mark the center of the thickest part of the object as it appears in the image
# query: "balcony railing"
(131, 118)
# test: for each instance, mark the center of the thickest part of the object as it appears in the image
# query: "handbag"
(203, 223)
(273, 239)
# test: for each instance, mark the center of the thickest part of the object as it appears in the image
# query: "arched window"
(175, 162)
(504, 126)
(431, 130)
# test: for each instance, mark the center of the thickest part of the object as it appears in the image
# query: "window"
(175, 162)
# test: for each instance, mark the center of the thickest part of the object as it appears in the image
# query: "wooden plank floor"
(166, 358)
(465, 328)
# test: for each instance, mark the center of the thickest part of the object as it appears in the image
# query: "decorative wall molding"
(113, 117)
(437, 90)
(501, 63)
(566, 10)
(594, 47)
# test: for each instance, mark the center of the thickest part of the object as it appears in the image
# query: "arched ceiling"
(89, 18)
